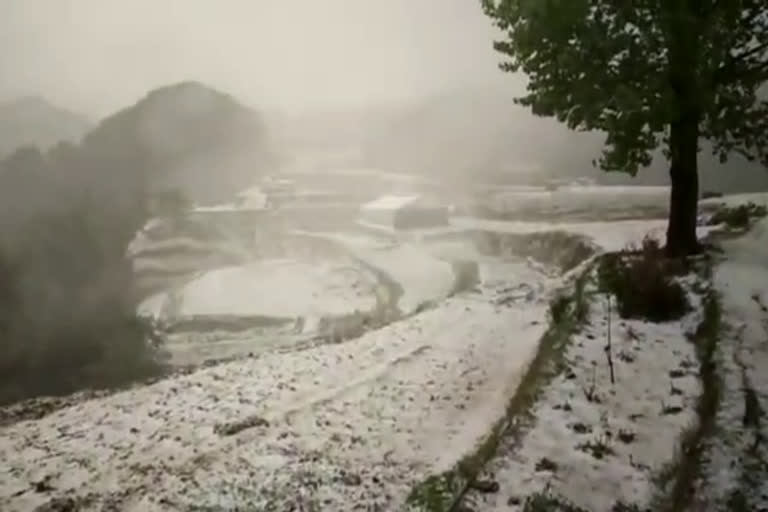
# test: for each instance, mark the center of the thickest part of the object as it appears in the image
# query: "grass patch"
(677, 478)
(545, 501)
(443, 493)
(644, 283)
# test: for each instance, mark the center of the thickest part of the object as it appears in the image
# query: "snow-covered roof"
(216, 208)
(390, 202)
(245, 205)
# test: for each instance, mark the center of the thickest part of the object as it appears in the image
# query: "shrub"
(738, 217)
(559, 308)
(643, 282)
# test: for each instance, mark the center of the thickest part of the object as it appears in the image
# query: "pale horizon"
(97, 56)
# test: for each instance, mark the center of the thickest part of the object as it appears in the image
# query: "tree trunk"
(684, 198)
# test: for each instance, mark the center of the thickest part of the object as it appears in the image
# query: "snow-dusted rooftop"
(390, 202)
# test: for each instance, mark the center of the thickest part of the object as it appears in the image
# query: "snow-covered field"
(355, 425)
(577, 202)
(343, 425)
(608, 235)
(595, 443)
(423, 277)
(736, 473)
(277, 288)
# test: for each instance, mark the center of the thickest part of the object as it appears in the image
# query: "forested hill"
(185, 136)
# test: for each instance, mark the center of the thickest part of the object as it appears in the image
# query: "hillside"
(67, 214)
(185, 136)
(34, 121)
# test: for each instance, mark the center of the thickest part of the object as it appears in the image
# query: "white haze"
(96, 56)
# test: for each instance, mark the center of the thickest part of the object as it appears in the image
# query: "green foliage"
(633, 69)
(643, 283)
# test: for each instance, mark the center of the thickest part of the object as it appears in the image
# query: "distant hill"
(185, 136)
(68, 213)
(33, 121)
(482, 134)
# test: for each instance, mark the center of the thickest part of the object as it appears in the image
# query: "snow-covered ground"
(608, 235)
(344, 425)
(595, 443)
(355, 425)
(637, 422)
(279, 288)
(736, 472)
(422, 277)
(577, 201)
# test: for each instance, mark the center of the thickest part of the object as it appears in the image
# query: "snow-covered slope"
(344, 426)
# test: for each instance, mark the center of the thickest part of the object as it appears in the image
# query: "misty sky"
(99, 55)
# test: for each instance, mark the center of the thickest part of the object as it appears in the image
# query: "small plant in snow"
(558, 309)
(546, 464)
(668, 410)
(632, 334)
(627, 357)
(676, 373)
(626, 436)
(598, 447)
(620, 506)
(545, 501)
(591, 393)
(581, 428)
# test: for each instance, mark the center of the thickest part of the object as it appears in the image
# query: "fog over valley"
(393, 255)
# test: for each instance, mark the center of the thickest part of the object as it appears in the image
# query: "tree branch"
(731, 66)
